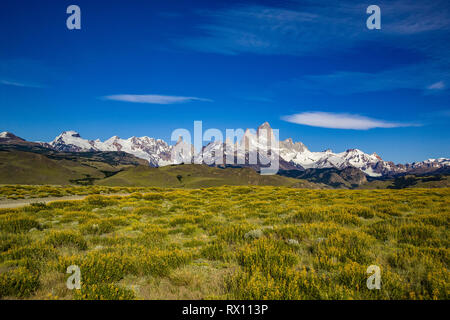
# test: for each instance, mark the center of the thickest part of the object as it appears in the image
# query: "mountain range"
(292, 155)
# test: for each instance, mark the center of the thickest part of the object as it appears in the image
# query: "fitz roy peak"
(293, 155)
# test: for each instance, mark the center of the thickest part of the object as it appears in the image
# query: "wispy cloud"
(341, 121)
(20, 84)
(437, 86)
(309, 28)
(304, 27)
(153, 98)
(414, 17)
(415, 77)
(26, 73)
(268, 30)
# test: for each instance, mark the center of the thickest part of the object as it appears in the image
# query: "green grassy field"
(17, 192)
(230, 242)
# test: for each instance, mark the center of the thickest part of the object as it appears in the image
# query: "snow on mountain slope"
(155, 151)
(71, 141)
(158, 153)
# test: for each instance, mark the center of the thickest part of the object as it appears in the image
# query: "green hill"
(31, 168)
(19, 166)
(409, 181)
(197, 176)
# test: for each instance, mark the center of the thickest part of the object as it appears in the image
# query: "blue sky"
(310, 68)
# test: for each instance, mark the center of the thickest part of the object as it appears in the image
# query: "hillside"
(346, 178)
(197, 176)
(409, 181)
(40, 166)
(31, 168)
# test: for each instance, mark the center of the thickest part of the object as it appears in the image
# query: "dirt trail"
(7, 204)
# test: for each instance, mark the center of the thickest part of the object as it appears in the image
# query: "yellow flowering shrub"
(245, 242)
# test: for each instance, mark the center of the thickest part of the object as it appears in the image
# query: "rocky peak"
(10, 137)
(376, 156)
(265, 125)
(265, 130)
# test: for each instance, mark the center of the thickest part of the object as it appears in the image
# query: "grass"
(230, 242)
(15, 192)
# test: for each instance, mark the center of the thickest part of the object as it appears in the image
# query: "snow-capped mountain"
(297, 154)
(155, 151)
(291, 154)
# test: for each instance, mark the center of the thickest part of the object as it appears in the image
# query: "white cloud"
(437, 86)
(153, 98)
(340, 121)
